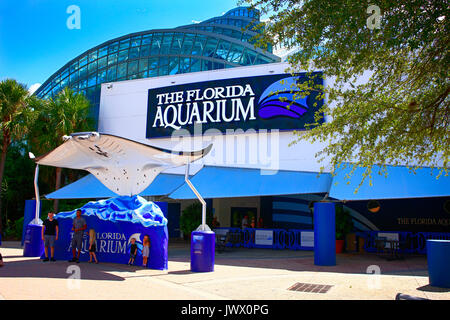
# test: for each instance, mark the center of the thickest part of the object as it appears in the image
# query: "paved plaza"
(240, 273)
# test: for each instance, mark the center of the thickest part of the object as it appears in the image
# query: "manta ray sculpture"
(124, 166)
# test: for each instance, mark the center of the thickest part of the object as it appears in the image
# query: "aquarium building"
(188, 87)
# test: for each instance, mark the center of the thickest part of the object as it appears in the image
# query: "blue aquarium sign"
(259, 102)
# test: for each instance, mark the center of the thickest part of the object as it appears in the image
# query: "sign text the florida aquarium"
(259, 102)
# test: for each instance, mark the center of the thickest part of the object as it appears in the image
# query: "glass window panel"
(199, 44)
(196, 65)
(248, 58)
(102, 62)
(102, 52)
(112, 59)
(177, 43)
(184, 65)
(187, 43)
(121, 70)
(165, 44)
(113, 47)
(222, 50)
(83, 61)
(83, 72)
(153, 63)
(163, 71)
(92, 80)
(156, 44)
(133, 67)
(134, 53)
(143, 74)
(218, 65)
(145, 51)
(207, 65)
(92, 67)
(102, 76)
(74, 77)
(74, 66)
(124, 44)
(112, 73)
(153, 73)
(136, 41)
(83, 84)
(64, 82)
(163, 61)
(123, 55)
(65, 73)
(174, 65)
(147, 39)
(93, 56)
(143, 65)
(210, 47)
(235, 53)
(134, 76)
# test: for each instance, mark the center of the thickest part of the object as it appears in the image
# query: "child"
(92, 246)
(133, 251)
(145, 250)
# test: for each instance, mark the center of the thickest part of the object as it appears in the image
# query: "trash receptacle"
(202, 251)
(438, 257)
(33, 244)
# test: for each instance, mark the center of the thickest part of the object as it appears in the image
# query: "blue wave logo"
(282, 99)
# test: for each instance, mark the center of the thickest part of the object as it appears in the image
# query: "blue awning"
(226, 182)
(399, 183)
(90, 187)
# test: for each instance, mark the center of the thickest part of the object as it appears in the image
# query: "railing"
(278, 239)
(296, 239)
(410, 242)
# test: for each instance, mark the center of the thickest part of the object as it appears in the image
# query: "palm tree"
(64, 114)
(17, 114)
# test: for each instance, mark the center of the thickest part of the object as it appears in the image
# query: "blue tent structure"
(116, 221)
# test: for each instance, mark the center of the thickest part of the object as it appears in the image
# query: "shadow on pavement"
(429, 288)
(354, 263)
(57, 270)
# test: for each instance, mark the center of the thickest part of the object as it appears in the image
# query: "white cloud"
(32, 89)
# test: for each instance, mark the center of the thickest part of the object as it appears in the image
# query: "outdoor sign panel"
(264, 237)
(260, 103)
(307, 239)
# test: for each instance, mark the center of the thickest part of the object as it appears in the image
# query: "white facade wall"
(123, 112)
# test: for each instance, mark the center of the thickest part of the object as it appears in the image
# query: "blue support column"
(324, 234)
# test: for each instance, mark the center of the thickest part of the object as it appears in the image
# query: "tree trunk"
(57, 186)
(2, 169)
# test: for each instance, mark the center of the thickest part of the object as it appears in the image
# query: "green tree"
(17, 115)
(401, 114)
(191, 218)
(64, 114)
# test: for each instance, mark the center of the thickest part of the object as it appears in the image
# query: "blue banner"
(116, 221)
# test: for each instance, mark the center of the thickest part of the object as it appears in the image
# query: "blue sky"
(35, 40)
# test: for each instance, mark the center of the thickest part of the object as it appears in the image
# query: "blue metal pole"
(324, 234)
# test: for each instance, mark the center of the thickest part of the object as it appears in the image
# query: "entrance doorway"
(238, 213)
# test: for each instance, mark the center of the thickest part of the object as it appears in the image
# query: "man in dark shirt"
(78, 227)
(50, 235)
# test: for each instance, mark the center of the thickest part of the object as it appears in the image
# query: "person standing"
(244, 223)
(78, 227)
(50, 235)
(92, 246)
